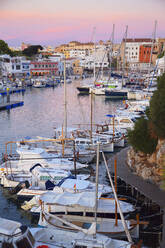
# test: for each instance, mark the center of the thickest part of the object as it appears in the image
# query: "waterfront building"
(74, 46)
(17, 66)
(77, 68)
(44, 67)
(5, 65)
(79, 53)
(56, 57)
(20, 66)
(132, 51)
(138, 52)
(98, 58)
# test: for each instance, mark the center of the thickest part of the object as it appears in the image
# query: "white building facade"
(132, 51)
(14, 65)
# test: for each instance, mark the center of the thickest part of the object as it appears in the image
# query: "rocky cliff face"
(148, 166)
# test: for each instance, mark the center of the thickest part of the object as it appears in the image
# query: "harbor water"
(43, 111)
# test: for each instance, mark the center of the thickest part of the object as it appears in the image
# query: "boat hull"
(116, 94)
(83, 90)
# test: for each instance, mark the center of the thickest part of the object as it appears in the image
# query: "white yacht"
(39, 83)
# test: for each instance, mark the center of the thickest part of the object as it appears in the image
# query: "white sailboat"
(65, 185)
(13, 234)
(29, 156)
(83, 209)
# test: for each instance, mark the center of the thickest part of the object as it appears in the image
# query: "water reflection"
(44, 108)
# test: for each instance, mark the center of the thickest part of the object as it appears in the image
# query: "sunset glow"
(55, 22)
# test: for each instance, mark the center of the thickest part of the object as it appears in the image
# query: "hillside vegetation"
(149, 129)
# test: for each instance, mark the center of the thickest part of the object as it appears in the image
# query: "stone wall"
(147, 166)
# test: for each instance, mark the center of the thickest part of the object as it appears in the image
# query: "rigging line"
(106, 53)
(110, 50)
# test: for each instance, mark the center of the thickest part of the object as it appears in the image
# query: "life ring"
(42, 246)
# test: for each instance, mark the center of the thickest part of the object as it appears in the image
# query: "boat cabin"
(14, 235)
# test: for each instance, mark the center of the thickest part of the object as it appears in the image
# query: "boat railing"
(9, 151)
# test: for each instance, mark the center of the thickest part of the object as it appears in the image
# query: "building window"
(46, 66)
(18, 67)
(50, 65)
(43, 66)
(35, 66)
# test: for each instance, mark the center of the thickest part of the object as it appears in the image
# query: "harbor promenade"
(148, 189)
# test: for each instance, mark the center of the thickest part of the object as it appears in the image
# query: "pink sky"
(53, 22)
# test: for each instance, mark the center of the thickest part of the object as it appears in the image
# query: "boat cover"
(86, 199)
(75, 184)
(8, 227)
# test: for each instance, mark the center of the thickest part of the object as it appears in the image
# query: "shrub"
(140, 138)
(157, 108)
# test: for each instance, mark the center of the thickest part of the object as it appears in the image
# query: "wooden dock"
(150, 190)
(11, 104)
(11, 91)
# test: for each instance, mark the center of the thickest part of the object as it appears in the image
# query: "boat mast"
(123, 67)
(94, 68)
(65, 102)
(111, 50)
(152, 46)
(117, 201)
(96, 192)
(91, 115)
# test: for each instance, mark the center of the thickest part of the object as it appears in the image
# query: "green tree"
(16, 53)
(157, 108)
(141, 137)
(4, 49)
(32, 50)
